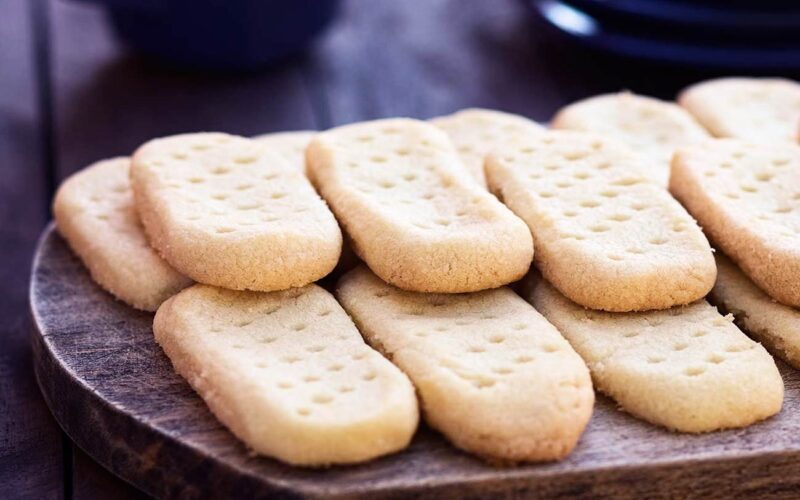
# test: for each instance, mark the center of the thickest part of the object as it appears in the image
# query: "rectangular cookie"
(688, 368)
(398, 188)
(94, 212)
(228, 211)
(292, 146)
(604, 234)
(288, 373)
(773, 324)
(747, 197)
(492, 374)
(753, 109)
(651, 127)
(475, 132)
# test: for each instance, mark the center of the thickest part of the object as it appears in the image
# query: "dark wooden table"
(71, 94)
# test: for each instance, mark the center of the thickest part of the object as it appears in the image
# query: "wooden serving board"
(115, 393)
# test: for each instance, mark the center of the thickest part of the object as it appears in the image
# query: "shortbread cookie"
(753, 109)
(775, 325)
(292, 145)
(398, 188)
(649, 126)
(687, 368)
(227, 211)
(605, 236)
(475, 132)
(747, 198)
(492, 374)
(94, 212)
(288, 373)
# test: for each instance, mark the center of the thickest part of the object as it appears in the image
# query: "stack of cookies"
(425, 224)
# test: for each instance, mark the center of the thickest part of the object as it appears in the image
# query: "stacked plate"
(757, 35)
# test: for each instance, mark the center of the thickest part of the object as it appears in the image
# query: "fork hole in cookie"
(299, 327)
(653, 360)
(523, 359)
(550, 348)
(303, 412)
(699, 333)
(244, 160)
(321, 399)
(497, 339)
(679, 346)
(285, 385)
(715, 358)
(694, 371)
(369, 376)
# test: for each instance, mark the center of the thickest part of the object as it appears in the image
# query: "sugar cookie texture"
(605, 236)
(492, 374)
(747, 198)
(288, 373)
(475, 132)
(687, 368)
(775, 325)
(398, 188)
(228, 211)
(94, 212)
(649, 126)
(754, 109)
(291, 145)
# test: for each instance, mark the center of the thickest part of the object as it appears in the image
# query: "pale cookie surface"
(475, 132)
(747, 198)
(227, 211)
(754, 109)
(649, 126)
(398, 188)
(288, 373)
(291, 145)
(687, 368)
(775, 325)
(492, 374)
(94, 212)
(604, 235)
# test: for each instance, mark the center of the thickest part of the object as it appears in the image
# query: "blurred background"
(85, 80)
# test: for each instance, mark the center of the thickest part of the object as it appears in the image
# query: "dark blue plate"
(753, 17)
(670, 46)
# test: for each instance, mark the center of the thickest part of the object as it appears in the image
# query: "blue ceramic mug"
(219, 34)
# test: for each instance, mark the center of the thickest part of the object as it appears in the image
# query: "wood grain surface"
(115, 393)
